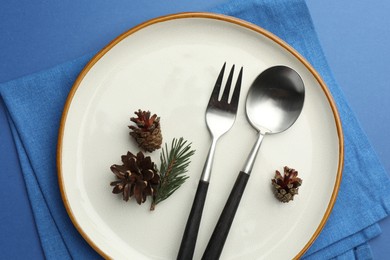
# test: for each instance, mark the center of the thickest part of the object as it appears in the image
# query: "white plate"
(169, 66)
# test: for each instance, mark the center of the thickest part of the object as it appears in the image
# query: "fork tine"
(218, 83)
(226, 91)
(236, 93)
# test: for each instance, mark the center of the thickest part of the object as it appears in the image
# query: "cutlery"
(274, 102)
(220, 116)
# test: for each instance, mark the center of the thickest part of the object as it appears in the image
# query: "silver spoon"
(274, 102)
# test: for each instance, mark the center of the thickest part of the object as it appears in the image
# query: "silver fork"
(220, 117)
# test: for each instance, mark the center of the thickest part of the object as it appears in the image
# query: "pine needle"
(174, 163)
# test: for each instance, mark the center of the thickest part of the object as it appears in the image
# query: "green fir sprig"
(174, 163)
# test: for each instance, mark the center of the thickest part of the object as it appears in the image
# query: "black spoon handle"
(221, 231)
(190, 235)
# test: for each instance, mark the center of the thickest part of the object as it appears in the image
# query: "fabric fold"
(50, 237)
(35, 105)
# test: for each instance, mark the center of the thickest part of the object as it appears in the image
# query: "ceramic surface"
(169, 66)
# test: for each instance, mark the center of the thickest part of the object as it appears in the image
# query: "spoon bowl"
(275, 100)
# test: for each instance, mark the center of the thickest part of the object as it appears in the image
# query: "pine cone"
(285, 187)
(147, 133)
(137, 176)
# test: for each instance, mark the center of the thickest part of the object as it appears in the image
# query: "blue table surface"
(36, 35)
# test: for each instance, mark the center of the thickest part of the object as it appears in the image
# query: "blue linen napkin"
(35, 105)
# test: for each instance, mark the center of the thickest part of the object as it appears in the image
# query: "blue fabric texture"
(35, 104)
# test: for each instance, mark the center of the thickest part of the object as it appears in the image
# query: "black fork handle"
(221, 231)
(190, 235)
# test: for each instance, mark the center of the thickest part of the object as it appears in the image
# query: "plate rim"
(214, 16)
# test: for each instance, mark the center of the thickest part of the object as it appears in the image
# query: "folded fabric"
(35, 105)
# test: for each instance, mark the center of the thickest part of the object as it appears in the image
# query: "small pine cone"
(137, 177)
(286, 187)
(147, 132)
